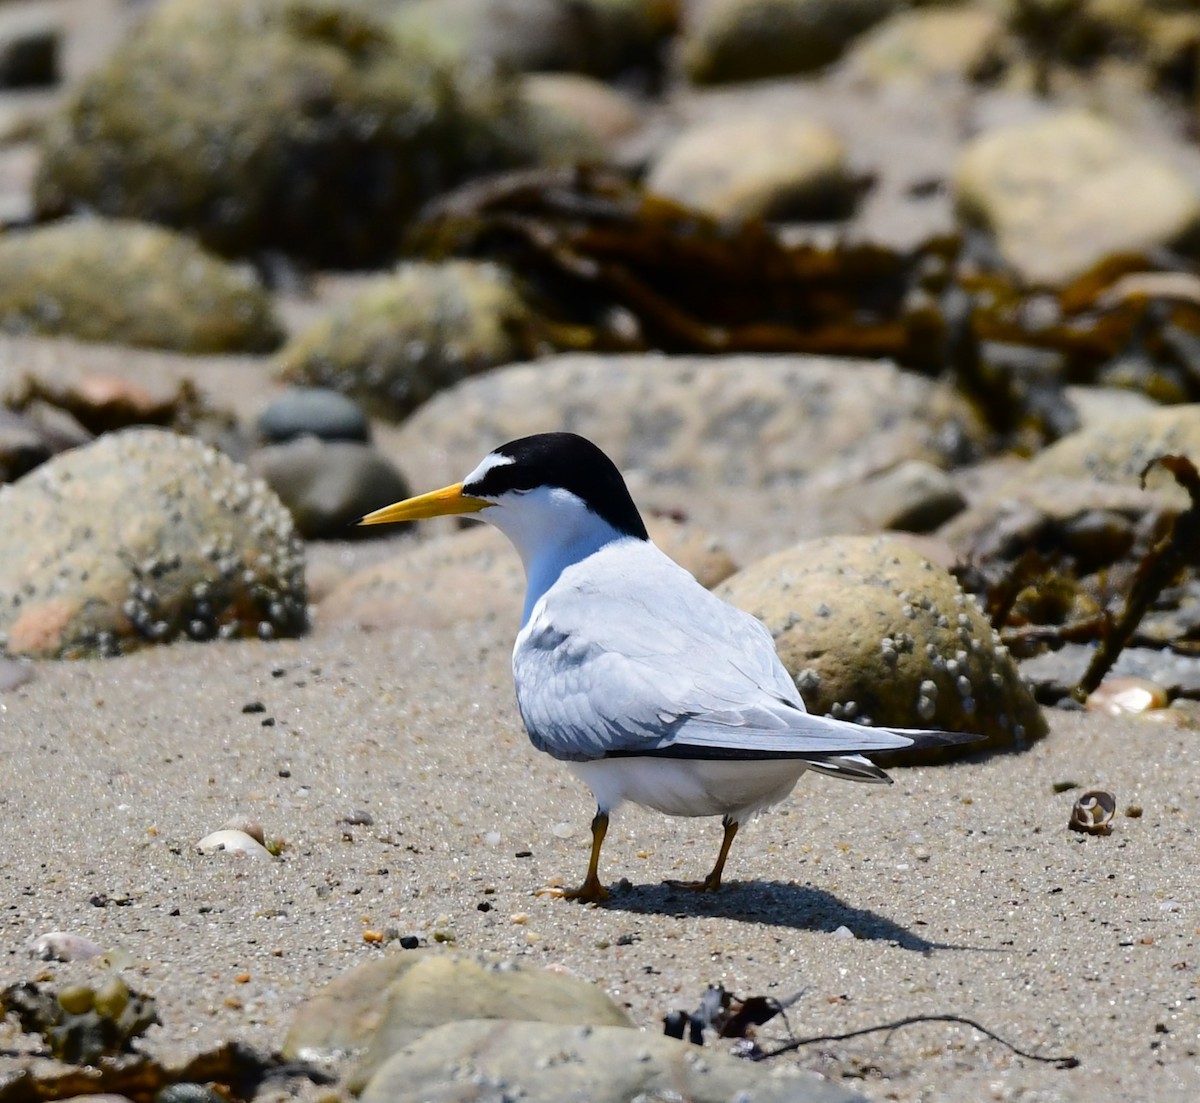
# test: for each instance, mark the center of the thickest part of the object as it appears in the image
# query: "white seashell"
(64, 946)
(235, 842)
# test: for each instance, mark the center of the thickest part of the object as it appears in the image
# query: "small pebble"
(373, 937)
(233, 842)
(519, 918)
(1123, 696)
(64, 946)
(562, 830)
(409, 942)
(843, 932)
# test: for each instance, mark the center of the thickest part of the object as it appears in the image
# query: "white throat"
(551, 530)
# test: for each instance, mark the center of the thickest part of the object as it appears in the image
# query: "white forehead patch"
(491, 460)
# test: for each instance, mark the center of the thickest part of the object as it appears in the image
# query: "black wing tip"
(922, 739)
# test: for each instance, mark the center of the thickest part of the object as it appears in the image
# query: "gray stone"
(474, 1061)
(22, 445)
(142, 537)
(734, 421)
(328, 485)
(774, 168)
(313, 411)
(914, 496)
(1063, 192)
(871, 631)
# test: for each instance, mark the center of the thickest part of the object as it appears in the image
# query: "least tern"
(646, 685)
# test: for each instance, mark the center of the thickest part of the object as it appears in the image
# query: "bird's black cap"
(571, 462)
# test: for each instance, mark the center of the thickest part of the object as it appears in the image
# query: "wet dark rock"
(328, 485)
(740, 40)
(142, 537)
(131, 284)
(30, 42)
(301, 126)
(873, 632)
(409, 335)
(313, 411)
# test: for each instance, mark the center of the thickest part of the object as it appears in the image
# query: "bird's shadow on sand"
(777, 903)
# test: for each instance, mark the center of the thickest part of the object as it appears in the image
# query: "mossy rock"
(297, 125)
(129, 283)
(412, 334)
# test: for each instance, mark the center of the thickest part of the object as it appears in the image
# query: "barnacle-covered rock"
(142, 537)
(300, 125)
(128, 283)
(873, 632)
(412, 334)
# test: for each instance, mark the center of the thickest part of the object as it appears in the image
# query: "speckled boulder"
(142, 537)
(767, 167)
(736, 40)
(1061, 193)
(298, 125)
(412, 334)
(1118, 450)
(872, 631)
(129, 283)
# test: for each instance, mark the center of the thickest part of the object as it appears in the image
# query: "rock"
(873, 632)
(601, 37)
(64, 946)
(776, 168)
(142, 537)
(386, 1003)
(740, 421)
(575, 118)
(412, 334)
(130, 284)
(313, 411)
(233, 842)
(542, 1063)
(297, 125)
(14, 674)
(914, 496)
(475, 575)
(1064, 192)
(1119, 450)
(930, 45)
(22, 445)
(328, 485)
(735, 40)
(30, 39)
(1053, 674)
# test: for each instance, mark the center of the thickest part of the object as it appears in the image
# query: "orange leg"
(591, 890)
(713, 881)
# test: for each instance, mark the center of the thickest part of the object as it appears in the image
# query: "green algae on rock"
(130, 283)
(298, 125)
(412, 334)
(873, 632)
(144, 537)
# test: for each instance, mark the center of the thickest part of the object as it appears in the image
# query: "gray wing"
(630, 655)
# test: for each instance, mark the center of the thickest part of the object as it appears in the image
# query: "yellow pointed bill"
(437, 503)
